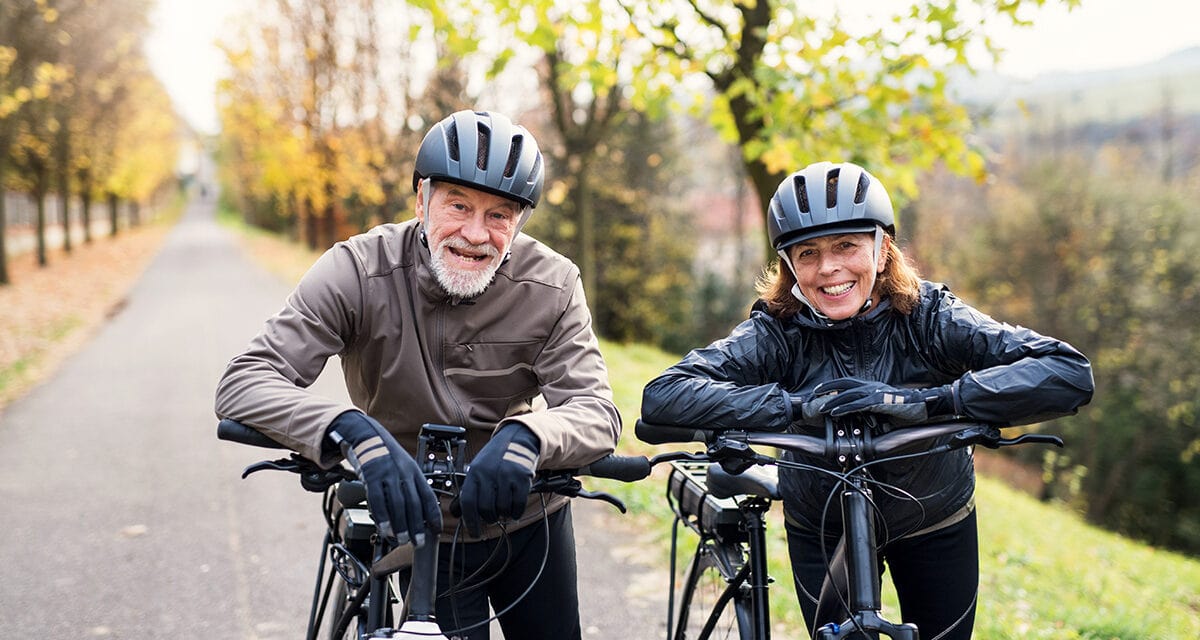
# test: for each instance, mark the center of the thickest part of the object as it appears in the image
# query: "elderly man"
(456, 318)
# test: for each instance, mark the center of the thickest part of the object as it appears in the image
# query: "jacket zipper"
(860, 354)
(439, 344)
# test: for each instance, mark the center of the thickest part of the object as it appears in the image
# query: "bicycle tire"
(715, 601)
(339, 601)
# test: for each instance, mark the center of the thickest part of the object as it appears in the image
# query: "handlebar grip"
(663, 434)
(623, 468)
(237, 432)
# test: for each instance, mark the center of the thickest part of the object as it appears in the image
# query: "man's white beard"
(458, 283)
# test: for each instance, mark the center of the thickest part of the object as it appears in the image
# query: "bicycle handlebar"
(237, 432)
(841, 442)
(611, 466)
(615, 467)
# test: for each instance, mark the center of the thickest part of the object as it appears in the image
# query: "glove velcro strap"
(370, 449)
(944, 401)
(895, 398)
(522, 455)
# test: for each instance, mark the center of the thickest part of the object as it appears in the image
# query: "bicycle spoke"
(709, 605)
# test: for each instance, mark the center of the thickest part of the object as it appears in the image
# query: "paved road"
(124, 517)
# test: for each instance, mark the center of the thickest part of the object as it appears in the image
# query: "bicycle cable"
(892, 490)
(452, 591)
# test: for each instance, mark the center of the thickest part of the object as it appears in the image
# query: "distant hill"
(1073, 98)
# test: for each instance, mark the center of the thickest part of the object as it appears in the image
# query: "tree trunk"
(85, 200)
(3, 223)
(585, 202)
(113, 204)
(64, 213)
(40, 197)
(62, 161)
(330, 226)
(3, 238)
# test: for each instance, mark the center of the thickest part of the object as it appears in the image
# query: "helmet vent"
(452, 143)
(514, 155)
(481, 158)
(802, 193)
(831, 183)
(860, 194)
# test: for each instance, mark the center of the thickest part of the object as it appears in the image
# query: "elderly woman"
(847, 326)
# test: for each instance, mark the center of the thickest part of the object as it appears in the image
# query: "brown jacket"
(521, 351)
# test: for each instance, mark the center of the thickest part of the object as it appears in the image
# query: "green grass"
(1044, 572)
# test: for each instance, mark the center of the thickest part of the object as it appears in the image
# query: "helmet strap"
(783, 257)
(875, 257)
(426, 193)
(427, 190)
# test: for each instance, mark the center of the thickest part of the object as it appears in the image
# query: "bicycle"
(356, 583)
(723, 494)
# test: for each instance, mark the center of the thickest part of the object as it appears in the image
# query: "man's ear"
(420, 206)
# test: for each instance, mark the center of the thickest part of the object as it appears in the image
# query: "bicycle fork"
(865, 592)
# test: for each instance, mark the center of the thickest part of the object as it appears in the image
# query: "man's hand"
(400, 499)
(499, 478)
(903, 406)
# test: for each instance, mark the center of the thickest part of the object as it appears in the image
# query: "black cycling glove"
(499, 478)
(807, 408)
(903, 406)
(399, 498)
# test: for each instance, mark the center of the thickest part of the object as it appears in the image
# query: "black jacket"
(1006, 375)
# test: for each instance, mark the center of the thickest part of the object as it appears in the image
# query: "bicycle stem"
(420, 602)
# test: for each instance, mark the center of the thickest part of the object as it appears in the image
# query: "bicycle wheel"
(715, 601)
(340, 603)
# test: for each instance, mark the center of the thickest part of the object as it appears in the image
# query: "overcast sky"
(1101, 34)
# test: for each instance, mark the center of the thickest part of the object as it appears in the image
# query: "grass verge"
(47, 312)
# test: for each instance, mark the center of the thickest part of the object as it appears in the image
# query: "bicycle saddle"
(758, 480)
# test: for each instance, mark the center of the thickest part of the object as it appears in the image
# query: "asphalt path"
(125, 517)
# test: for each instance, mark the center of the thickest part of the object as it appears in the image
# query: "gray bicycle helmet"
(826, 198)
(484, 150)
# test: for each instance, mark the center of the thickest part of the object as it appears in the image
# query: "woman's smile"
(837, 289)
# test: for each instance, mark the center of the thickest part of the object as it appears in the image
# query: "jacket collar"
(807, 319)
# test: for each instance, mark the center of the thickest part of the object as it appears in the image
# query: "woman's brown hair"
(900, 281)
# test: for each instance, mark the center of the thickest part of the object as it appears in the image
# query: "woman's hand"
(901, 405)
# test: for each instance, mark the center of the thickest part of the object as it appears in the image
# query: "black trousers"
(500, 571)
(936, 576)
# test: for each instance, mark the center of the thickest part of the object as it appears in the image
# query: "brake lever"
(600, 495)
(673, 456)
(984, 435)
(283, 464)
(990, 437)
(1033, 438)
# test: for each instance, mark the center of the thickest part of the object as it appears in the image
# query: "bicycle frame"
(864, 595)
(853, 449)
(723, 526)
(441, 450)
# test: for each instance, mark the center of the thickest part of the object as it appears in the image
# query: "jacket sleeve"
(266, 386)
(729, 383)
(580, 422)
(1013, 375)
